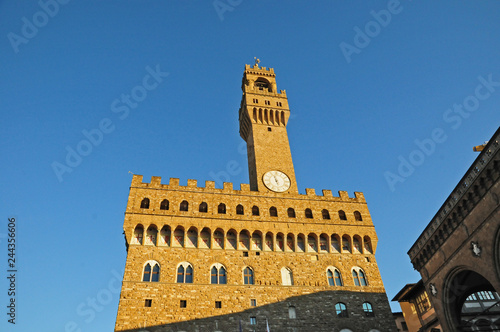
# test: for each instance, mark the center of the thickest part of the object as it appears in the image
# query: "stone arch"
(205, 239)
(280, 242)
(151, 235)
(460, 284)
(323, 242)
(231, 239)
(192, 238)
(244, 240)
(165, 236)
(357, 244)
(138, 234)
(269, 241)
(290, 242)
(178, 237)
(301, 243)
(257, 241)
(312, 242)
(218, 237)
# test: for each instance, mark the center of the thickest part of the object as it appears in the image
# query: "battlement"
(256, 70)
(192, 185)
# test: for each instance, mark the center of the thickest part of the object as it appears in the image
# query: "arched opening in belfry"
(471, 303)
(263, 84)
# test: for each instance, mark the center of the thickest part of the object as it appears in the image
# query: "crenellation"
(344, 195)
(173, 182)
(327, 193)
(155, 181)
(192, 183)
(310, 192)
(227, 186)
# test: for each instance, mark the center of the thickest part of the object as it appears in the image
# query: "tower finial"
(256, 61)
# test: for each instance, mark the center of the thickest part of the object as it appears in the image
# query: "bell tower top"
(263, 116)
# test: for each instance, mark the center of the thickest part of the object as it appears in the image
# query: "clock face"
(276, 181)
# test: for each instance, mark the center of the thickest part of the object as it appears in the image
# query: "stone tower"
(222, 259)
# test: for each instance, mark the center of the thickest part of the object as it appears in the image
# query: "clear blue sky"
(359, 104)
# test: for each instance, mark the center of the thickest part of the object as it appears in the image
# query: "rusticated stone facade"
(212, 259)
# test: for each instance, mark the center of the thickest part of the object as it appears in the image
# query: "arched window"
(335, 243)
(273, 212)
(256, 241)
(151, 235)
(219, 239)
(255, 210)
(346, 246)
(280, 242)
(248, 276)
(368, 244)
(357, 216)
(164, 204)
(205, 239)
(231, 240)
(178, 237)
(239, 209)
(311, 241)
(290, 243)
(368, 309)
(221, 209)
(356, 243)
(325, 214)
(291, 213)
(138, 234)
(151, 272)
(244, 240)
(359, 277)
(218, 274)
(342, 215)
(184, 206)
(341, 310)
(308, 213)
(286, 277)
(323, 243)
(269, 242)
(203, 207)
(334, 277)
(165, 235)
(145, 203)
(192, 238)
(185, 273)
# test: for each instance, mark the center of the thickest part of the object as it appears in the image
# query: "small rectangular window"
(257, 253)
(218, 304)
(253, 320)
(245, 253)
(253, 302)
(183, 303)
(148, 303)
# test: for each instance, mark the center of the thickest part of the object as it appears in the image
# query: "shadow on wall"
(332, 311)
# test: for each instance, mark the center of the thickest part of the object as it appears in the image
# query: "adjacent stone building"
(458, 253)
(201, 258)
